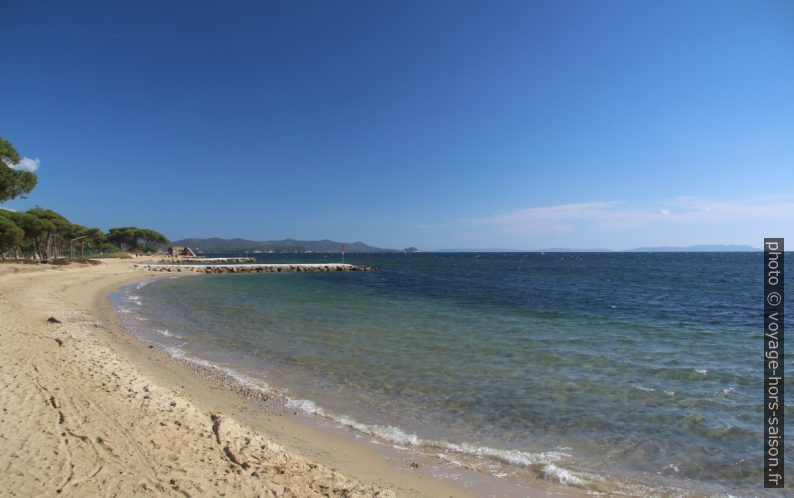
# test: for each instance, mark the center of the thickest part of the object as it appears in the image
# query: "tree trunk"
(47, 247)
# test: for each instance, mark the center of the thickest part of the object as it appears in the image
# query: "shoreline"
(270, 399)
(89, 409)
(162, 410)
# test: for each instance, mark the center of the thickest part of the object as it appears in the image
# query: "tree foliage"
(43, 234)
(10, 235)
(136, 239)
(13, 183)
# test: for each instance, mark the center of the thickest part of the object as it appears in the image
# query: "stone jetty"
(255, 268)
(207, 260)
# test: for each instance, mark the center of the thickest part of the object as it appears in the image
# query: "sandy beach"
(88, 410)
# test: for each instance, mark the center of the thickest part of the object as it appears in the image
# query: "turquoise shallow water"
(601, 371)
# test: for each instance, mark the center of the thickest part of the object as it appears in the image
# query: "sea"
(609, 373)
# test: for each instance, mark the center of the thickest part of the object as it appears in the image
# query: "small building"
(181, 252)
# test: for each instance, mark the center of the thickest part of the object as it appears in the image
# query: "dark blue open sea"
(633, 373)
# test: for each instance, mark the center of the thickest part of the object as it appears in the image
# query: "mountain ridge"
(217, 244)
(693, 248)
(699, 248)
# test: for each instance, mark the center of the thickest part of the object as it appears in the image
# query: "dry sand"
(87, 410)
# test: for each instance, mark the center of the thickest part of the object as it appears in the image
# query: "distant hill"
(699, 248)
(215, 244)
(565, 249)
(554, 249)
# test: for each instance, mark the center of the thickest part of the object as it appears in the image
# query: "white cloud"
(614, 214)
(615, 224)
(559, 212)
(752, 210)
(27, 164)
(565, 217)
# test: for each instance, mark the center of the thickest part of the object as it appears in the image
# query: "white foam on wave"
(701, 371)
(642, 388)
(166, 333)
(306, 406)
(176, 352)
(516, 457)
(563, 476)
(134, 298)
(448, 458)
(388, 432)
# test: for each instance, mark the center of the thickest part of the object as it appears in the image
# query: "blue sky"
(436, 124)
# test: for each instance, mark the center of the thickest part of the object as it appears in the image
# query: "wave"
(166, 333)
(134, 298)
(546, 464)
